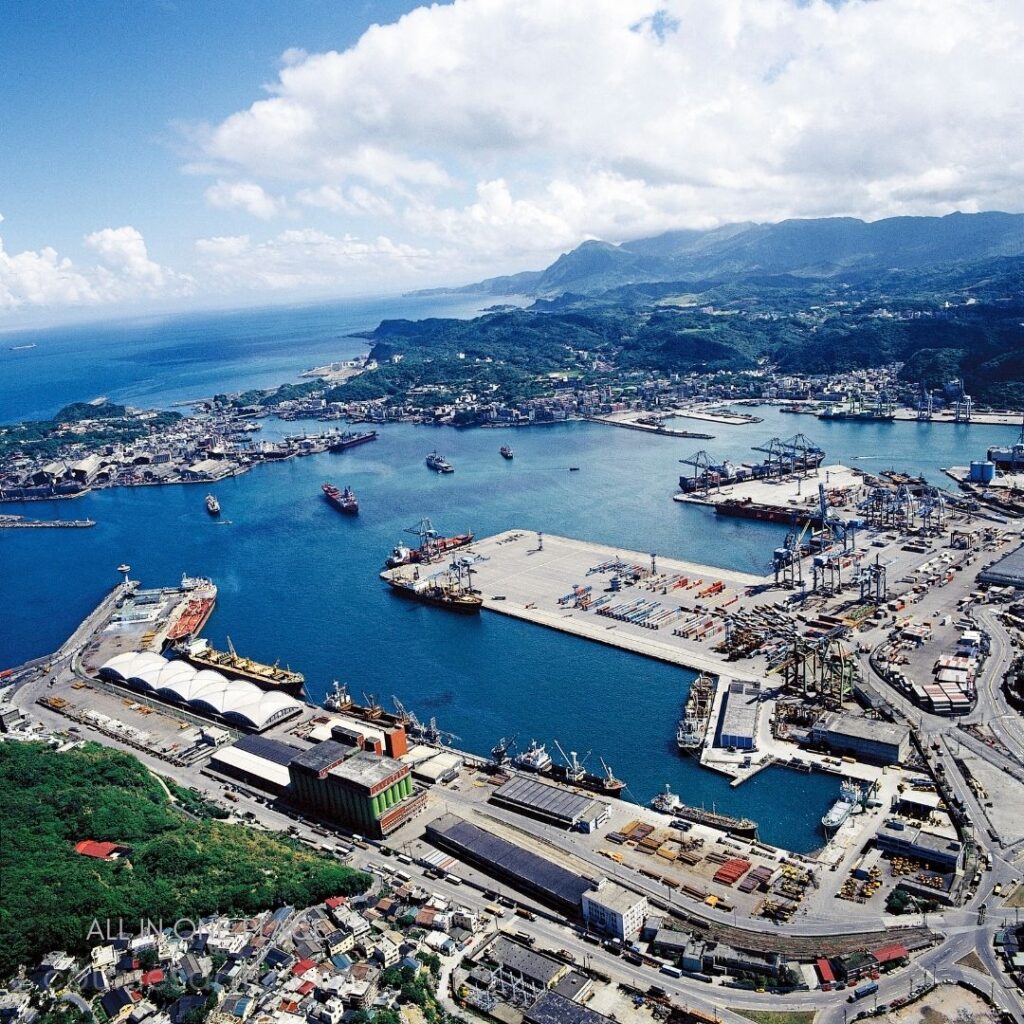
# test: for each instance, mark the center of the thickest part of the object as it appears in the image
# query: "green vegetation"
(776, 1016)
(80, 423)
(194, 803)
(177, 868)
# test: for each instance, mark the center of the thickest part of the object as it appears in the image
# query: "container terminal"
(813, 664)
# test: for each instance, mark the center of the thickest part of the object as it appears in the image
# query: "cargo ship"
(1008, 458)
(212, 505)
(432, 545)
(438, 463)
(849, 799)
(506, 452)
(693, 726)
(350, 440)
(343, 501)
(451, 589)
(746, 508)
(233, 665)
(572, 773)
(197, 609)
(669, 803)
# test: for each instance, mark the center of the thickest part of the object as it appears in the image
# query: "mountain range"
(835, 249)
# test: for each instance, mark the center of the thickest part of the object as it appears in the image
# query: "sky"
(162, 154)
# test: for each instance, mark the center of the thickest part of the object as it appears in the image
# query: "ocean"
(298, 582)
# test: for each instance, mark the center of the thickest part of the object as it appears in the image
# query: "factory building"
(355, 787)
(551, 804)
(611, 909)
(524, 870)
(1007, 572)
(866, 739)
(737, 719)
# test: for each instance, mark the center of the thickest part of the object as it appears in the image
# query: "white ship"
(534, 759)
(850, 796)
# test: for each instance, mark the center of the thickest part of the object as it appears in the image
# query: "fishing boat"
(212, 505)
(506, 452)
(438, 463)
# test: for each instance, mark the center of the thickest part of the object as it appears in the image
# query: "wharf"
(21, 523)
(521, 577)
(650, 428)
(736, 419)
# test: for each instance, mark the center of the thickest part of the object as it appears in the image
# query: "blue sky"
(181, 154)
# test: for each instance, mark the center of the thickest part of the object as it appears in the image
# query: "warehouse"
(1007, 572)
(553, 1008)
(527, 872)
(256, 761)
(203, 692)
(867, 739)
(737, 720)
(551, 804)
(355, 787)
(439, 769)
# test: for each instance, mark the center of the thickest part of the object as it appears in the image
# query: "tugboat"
(534, 758)
(438, 463)
(451, 589)
(506, 452)
(212, 505)
(669, 803)
(343, 501)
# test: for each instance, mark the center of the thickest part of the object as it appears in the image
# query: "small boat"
(438, 463)
(506, 452)
(343, 501)
(574, 469)
(212, 505)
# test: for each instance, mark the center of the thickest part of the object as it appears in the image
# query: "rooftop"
(551, 801)
(531, 965)
(615, 897)
(553, 1008)
(322, 757)
(862, 728)
(366, 768)
(1007, 572)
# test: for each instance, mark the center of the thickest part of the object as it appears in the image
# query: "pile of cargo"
(732, 871)
(758, 878)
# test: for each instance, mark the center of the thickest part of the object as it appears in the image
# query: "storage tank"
(983, 472)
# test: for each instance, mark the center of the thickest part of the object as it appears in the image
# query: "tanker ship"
(191, 618)
(669, 803)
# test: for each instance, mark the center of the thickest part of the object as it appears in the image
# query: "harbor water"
(298, 582)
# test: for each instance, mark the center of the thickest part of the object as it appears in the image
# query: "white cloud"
(308, 260)
(124, 273)
(504, 127)
(244, 195)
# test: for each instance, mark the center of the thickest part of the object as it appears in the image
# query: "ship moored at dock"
(342, 442)
(231, 664)
(451, 588)
(190, 619)
(668, 803)
(693, 726)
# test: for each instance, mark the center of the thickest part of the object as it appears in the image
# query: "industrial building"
(256, 761)
(614, 910)
(553, 1008)
(737, 719)
(551, 804)
(204, 692)
(521, 974)
(525, 871)
(867, 739)
(938, 851)
(1007, 572)
(355, 787)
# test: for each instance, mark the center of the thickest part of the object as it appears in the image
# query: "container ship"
(343, 501)
(669, 803)
(432, 545)
(506, 452)
(212, 505)
(850, 796)
(745, 508)
(350, 440)
(693, 726)
(233, 665)
(438, 463)
(451, 589)
(197, 610)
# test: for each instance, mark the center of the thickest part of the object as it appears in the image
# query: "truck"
(867, 989)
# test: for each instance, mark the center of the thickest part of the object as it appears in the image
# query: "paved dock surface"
(524, 578)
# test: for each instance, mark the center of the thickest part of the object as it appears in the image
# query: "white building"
(613, 910)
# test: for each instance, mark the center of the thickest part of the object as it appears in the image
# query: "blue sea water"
(299, 582)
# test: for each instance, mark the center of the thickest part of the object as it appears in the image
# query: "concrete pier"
(529, 578)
